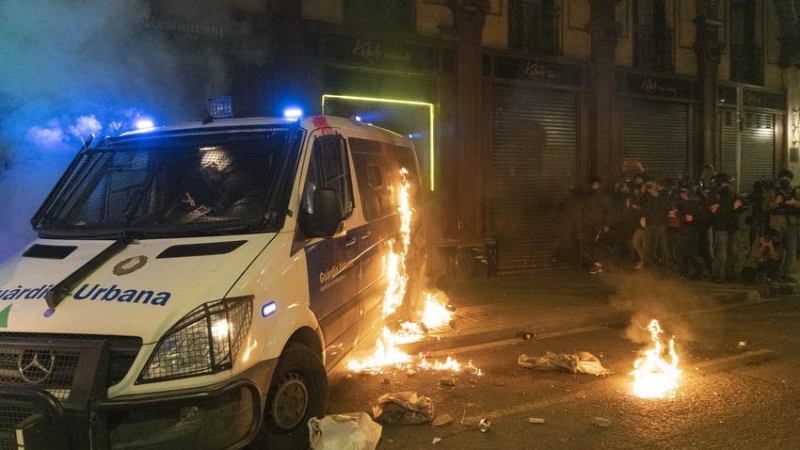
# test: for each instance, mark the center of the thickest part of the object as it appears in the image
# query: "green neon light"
(431, 152)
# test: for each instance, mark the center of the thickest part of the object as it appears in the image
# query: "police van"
(192, 286)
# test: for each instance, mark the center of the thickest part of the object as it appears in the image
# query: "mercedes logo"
(36, 366)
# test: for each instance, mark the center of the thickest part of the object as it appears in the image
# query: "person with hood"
(784, 217)
(725, 207)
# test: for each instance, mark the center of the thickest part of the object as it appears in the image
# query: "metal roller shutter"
(656, 133)
(758, 143)
(729, 129)
(533, 161)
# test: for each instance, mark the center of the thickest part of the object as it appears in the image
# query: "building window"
(746, 55)
(391, 15)
(652, 38)
(533, 26)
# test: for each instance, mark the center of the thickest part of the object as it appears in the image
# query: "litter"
(442, 419)
(601, 422)
(535, 420)
(403, 408)
(581, 362)
(356, 431)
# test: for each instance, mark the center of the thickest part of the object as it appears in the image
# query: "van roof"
(309, 123)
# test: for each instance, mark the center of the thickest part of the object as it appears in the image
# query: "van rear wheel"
(298, 392)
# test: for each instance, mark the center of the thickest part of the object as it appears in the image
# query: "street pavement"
(547, 302)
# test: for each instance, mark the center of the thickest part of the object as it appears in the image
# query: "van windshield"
(195, 182)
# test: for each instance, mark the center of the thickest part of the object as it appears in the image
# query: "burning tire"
(298, 392)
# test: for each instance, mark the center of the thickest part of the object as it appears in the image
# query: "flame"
(395, 267)
(386, 353)
(654, 376)
(434, 315)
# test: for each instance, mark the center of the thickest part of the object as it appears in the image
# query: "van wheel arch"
(298, 391)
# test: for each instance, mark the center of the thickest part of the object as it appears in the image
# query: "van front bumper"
(222, 416)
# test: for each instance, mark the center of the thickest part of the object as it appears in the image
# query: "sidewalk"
(561, 299)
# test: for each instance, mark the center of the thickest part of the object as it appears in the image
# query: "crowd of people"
(693, 228)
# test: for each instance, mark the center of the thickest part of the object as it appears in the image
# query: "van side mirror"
(327, 215)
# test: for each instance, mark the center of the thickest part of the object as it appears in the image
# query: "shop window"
(652, 37)
(746, 55)
(533, 26)
(392, 15)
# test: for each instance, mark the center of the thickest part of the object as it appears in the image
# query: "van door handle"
(350, 242)
(366, 235)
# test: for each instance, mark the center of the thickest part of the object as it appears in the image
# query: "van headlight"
(203, 342)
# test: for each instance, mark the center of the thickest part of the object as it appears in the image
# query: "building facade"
(514, 102)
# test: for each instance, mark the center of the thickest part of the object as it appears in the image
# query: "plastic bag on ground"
(403, 408)
(581, 362)
(356, 431)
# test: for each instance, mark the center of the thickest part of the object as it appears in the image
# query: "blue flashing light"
(143, 124)
(292, 113)
(269, 308)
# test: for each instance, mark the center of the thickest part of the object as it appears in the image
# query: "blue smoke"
(75, 68)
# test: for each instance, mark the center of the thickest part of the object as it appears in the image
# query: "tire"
(298, 392)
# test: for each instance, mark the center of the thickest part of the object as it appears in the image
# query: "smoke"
(646, 296)
(75, 68)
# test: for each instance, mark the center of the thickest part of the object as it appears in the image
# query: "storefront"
(656, 126)
(751, 134)
(535, 143)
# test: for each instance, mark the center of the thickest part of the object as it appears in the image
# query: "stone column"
(708, 50)
(468, 20)
(605, 158)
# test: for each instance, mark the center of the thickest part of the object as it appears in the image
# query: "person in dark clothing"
(725, 207)
(702, 221)
(763, 263)
(595, 216)
(655, 213)
(785, 217)
(631, 221)
(758, 219)
(687, 248)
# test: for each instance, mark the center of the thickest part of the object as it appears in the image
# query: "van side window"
(330, 168)
(374, 171)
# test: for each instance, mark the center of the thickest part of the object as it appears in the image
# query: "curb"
(450, 339)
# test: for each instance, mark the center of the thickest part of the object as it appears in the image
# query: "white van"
(190, 285)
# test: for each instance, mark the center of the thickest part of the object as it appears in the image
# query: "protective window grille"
(172, 180)
(206, 341)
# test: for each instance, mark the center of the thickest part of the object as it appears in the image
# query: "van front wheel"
(298, 392)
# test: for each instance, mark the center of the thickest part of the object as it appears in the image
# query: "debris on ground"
(356, 431)
(441, 419)
(403, 408)
(601, 422)
(581, 362)
(535, 420)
